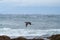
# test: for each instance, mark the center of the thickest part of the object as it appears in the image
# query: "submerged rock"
(38, 38)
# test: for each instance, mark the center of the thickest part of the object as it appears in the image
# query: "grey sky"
(30, 6)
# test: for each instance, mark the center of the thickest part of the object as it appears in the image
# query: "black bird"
(26, 23)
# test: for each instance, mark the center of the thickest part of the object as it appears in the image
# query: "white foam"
(27, 32)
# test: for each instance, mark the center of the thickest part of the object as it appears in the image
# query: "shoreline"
(52, 37)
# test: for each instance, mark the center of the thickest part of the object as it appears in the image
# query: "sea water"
(42, 25)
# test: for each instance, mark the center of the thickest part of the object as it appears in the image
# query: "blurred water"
(15, 23)
(38, 21)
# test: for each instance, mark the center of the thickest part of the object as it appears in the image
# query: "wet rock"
(19, 38)
(4, 37)
(55, 37)
(38, 38)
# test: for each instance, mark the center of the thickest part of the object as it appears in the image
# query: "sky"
(29, 6)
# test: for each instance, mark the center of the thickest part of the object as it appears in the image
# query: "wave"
(27, 32)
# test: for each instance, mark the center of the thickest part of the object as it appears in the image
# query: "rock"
(38, 38)
(55, 37)
(4, 38)
(19, 38)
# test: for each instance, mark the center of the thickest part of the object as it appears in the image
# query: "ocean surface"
(42, 25)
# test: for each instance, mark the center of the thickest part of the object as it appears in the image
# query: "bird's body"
(26, 23)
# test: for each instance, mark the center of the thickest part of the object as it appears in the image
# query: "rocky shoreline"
(53, 37)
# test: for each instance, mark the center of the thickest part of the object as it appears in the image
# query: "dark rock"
(19, 38)
(55, 37)
(38, 38)
(4, 38)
